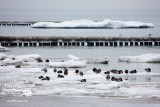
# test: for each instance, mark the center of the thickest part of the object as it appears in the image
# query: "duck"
(44, 69)
(59, 71)
(107, 72)
(147, 70)
(81, 73)
(108, 77)
(46, 78)
(47, 60)
(133, 71)
(77, 71)
(60, 76)
(116, 79)
(83, 80)
(54, 70)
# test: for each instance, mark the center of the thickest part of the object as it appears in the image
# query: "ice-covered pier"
(78, 41)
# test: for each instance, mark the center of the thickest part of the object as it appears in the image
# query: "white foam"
(148, 58)
(83, 23)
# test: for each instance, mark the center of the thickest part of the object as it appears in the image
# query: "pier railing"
(78, 41)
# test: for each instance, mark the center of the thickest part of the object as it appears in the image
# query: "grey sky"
(79, 4)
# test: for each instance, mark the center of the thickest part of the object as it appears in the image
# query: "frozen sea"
(139, 86)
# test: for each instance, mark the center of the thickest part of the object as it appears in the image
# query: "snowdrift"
(145, 58)
(83, 23)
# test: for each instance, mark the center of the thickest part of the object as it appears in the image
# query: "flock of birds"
(64, 72)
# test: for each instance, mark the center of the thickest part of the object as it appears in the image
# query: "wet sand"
(61, 101)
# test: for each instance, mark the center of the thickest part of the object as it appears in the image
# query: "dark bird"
(44, 69)
(94, 69)
(65, 72)
(18, 66)
(47, 60)
(107, 72)
(116, 79)
(133, 71)
(81, 73)
(77, 71)
(126, 71)
(40, 77)
(47, 78)
(83, 80)
(59, 71)
(99, 70)
(147, 69)
(108, 77)
(60, 76)
(54, 70)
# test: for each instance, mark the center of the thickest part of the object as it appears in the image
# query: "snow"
(83, 23)
(25, 80)
(29, 84)
(144, 58)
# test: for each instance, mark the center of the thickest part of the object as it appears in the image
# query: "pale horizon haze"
(79, 4)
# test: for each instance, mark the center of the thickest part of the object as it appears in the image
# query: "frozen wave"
(83, 23)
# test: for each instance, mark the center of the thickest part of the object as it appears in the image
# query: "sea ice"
(3, 49)
(148, 58)
(83, 23)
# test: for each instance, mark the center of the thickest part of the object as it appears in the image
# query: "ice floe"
(147, 58)
(3, 49)
(19, 60)
(83, 23)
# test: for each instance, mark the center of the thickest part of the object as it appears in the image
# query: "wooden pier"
(78, 41)
(16, 23)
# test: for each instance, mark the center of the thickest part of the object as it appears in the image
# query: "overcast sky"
(79, 4)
